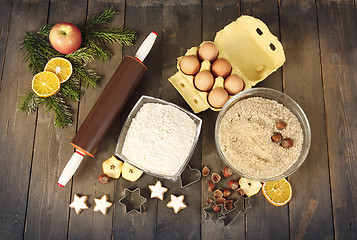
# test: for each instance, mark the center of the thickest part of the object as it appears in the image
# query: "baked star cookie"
(157, 190)
(102, 204)
(176, 203)
(79, 203)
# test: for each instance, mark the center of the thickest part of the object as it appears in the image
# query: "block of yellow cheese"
(252, 50)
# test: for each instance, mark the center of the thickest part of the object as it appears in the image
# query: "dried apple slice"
(112, 167)
(130, 172)
(250, 187)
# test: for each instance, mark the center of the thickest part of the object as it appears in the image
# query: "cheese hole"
(272, 46)
(259, 31)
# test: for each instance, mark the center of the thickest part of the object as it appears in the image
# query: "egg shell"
(208, 51)
(221, 68)
(189, 65)
(204, 80)
(218, 97)
(234, 84)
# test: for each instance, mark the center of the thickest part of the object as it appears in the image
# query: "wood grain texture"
(16, 129)
(5, 12)
(142, 19)
(310, 207)
(51, 153)
(337, 31)
(265, 221)
(181, 30)
(216, 15)
(90, 224)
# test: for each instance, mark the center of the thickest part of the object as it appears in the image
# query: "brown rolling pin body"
(109, 105)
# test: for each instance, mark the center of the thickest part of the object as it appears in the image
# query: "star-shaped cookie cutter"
(132, 200)
(189, 176)
(239, 207)
(212, 215)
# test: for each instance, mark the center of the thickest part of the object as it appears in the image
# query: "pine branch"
(87, 76)
(45, 30)
(101, 52)
(30, 102)
(115, 35)
(83, 54)
(71, 90)
(62, 112)
(105, 17)
(38, 52)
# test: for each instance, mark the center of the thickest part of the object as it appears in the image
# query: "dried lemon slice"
(277, 192)
(61, 67)
(45, 84)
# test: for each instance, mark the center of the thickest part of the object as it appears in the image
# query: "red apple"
(65, 37)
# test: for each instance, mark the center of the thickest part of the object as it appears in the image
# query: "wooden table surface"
(319, 39)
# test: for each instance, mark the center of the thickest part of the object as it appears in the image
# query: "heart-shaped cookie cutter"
(187, 178)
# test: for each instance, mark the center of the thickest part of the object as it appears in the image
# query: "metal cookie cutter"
(132, 200)
(212, 215)
(189, 176)
(239, 207)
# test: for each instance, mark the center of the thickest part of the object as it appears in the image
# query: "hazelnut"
(216, 178)
(205, 171)
(233, 184)
(280, 125)
(217, 194)
(226, 192)
(216, 208)
(210, 186)
(240, 192)
(276, 137)
(227, 172)
(220, 200)
(103, 178)
(209, 200)
(287, 143)
(228, 204)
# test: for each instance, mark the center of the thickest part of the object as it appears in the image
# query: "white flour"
(159, 139)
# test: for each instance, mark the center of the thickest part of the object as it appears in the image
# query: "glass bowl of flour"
(244, 130)
(158, 137)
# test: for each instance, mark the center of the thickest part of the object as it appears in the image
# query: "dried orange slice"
(61, 67)
(277, 192)
(45, 84)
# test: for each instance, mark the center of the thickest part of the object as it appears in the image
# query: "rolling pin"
(107, 108)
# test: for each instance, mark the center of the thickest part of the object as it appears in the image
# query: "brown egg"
(204, 81)
(234, 84)
(208, 51)
(189, 65)
(218, 97)
(221, 67)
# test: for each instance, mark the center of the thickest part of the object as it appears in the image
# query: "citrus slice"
(45, 84)
(277, 192)
(61, 67)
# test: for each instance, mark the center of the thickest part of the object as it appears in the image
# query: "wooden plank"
(337, 29)
(90, 224)
(143, 18)
(216, 15)
(181, 30)
(276, 226)
(5, 12)
(48, 211)
(310, 208)
(16, 129)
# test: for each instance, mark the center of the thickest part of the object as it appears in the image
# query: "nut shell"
(103, 178)
(228, 205)
(205, 171)
(216, 178)
(226, 192)
(233, 184)
(220, 200)
(280, 125)
(227, 172)
(240, 192)
(217, 194)
(286, 143)
(276, 137)
(210, 186)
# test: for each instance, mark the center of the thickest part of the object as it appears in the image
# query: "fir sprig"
(38, 51)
